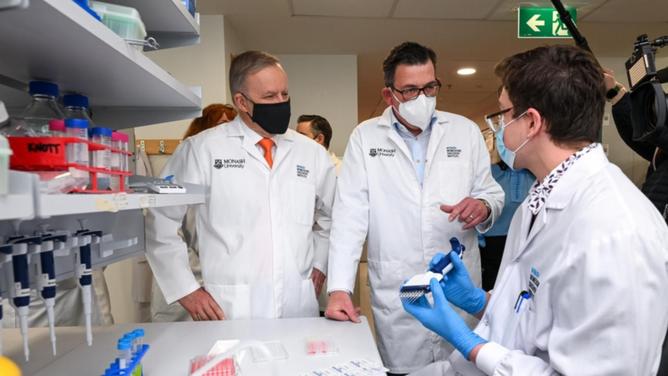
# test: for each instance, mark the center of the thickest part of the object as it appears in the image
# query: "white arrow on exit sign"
(534, 22)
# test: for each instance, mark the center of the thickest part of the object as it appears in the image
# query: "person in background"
(515, 185)
(655, 186)
(582, 284)
(263, 230)
(212, 115)
(317, 128)
(413, 178)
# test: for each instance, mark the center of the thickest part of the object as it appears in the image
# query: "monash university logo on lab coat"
(380, 152)
(229, 163)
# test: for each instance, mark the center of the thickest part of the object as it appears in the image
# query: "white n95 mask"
(419, 111)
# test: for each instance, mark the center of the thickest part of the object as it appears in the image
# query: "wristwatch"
(613, 92)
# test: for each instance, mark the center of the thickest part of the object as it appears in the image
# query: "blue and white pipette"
(20, 292)
(47, 279)
(85, 275)
(5, 256)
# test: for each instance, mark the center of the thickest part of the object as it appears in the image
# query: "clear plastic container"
(77, 153)
(102, 158)
(76, 107)
(43, 108)
(124, 21)
(124, 348)
(116, 159)
(57, 128)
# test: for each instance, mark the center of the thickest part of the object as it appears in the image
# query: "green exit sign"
(542, 23)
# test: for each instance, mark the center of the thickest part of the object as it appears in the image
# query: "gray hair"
(246, 64)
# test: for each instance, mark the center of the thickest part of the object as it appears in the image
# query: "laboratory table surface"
(172, 345)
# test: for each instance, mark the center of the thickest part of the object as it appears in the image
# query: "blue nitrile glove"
(443, 320)
(458, 286)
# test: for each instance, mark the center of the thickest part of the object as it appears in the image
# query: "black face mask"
(274, 118)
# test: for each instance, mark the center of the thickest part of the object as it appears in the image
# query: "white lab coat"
(378, 192)
(260, 232)
(599, 251)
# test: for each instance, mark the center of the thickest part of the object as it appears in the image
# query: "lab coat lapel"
(247, 143)
(386, 121)
(284, 144)
(528, 235)
(561, 195)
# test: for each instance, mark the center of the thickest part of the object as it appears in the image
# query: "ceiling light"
(466, 71)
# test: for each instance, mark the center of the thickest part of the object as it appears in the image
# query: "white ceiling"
(462, 32)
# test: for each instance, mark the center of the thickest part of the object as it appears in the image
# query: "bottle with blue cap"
(76, 106)
(42, 108)
(102, 158)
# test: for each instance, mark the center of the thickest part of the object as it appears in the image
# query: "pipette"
(5, 256)
(47, 279)
(20, 291)
(85, 275)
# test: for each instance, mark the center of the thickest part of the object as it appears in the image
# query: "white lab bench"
(174, 344)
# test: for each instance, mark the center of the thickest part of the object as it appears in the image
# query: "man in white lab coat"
(412, 179)
(318, 128)
(263, 232)
(582, 288)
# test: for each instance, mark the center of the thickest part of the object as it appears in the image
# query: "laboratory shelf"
(69, 204)
(168, 21)
(24, 202)
(18, 203)
(58, 41)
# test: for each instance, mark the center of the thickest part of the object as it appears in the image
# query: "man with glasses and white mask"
(413, 178)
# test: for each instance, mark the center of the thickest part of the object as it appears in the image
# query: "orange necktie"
(266, 145)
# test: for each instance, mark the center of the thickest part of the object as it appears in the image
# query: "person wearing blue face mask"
(582, 283)
(515, 185)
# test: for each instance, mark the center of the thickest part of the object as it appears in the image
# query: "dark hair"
(319, 125)
(211, 115)
(246, 64)
(564, 83)
(409, 53)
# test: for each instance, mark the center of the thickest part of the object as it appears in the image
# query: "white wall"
(199, 65)
(324, 85)
(233, 46)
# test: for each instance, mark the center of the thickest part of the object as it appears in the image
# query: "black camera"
(648, 100)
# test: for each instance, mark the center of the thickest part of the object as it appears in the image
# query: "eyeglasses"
(495, 120)
(431, 90)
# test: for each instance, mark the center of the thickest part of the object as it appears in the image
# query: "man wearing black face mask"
(264, 228)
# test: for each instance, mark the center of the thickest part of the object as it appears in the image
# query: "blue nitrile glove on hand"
(443, 320)
(458, 286)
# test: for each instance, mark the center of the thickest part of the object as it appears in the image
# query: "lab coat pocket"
(454, 181)
(302, 202)
(303, 302)
(386, 278)
(233, 299)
